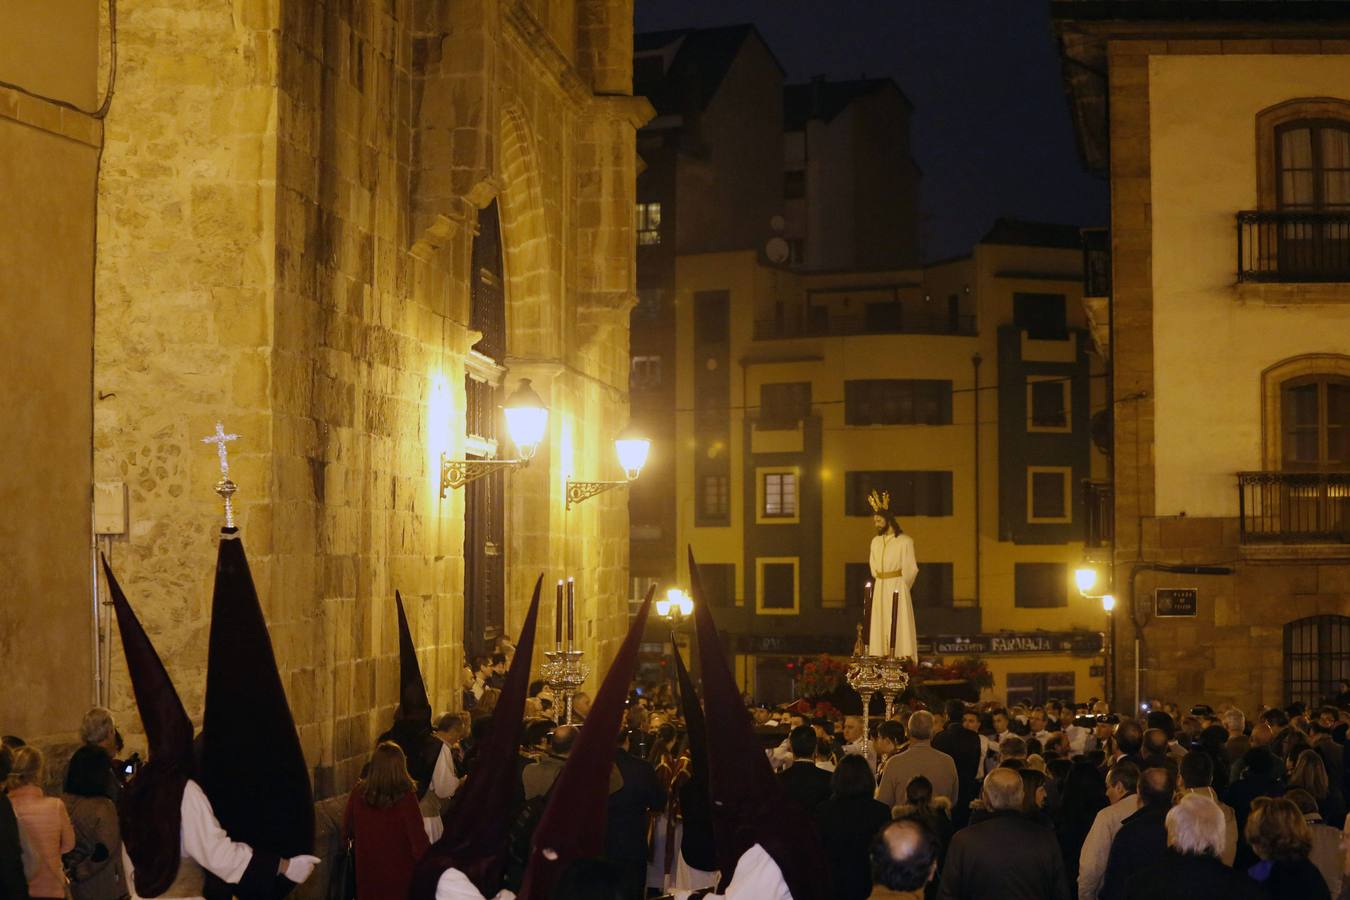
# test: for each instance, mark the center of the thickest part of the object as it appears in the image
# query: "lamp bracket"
(578, 491)
(455, 473)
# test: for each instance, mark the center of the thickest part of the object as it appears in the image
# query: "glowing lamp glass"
(1085, 577)
(1108, 603)
(526, 419)
(632, 450)
(663, 607)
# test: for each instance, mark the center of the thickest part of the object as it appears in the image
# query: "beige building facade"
(347, 232)
(1224, 136)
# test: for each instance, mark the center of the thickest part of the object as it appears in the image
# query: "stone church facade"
(294, 200)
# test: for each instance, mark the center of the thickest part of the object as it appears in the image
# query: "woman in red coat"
(385, 825)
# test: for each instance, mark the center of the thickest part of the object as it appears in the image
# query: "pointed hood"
(478, 827)
(150, 808)
(413, 704)
(412, 717)
(252, 768)
(695, 801)
(573, 824)
(749, 807)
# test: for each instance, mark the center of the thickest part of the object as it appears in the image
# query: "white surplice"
(444, 783)
(757, 878)
(203, 844)
(894, 568)
(455, 885)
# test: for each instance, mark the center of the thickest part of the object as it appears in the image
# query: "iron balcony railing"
(1099, 514)
(1293, 246)
(1294, 507)
(820, 325)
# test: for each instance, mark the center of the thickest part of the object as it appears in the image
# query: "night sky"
(991, 128)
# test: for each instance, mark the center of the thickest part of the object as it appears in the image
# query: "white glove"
(298, 868)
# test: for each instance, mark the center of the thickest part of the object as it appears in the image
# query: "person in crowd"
(960, 740)
(1261, 771)
(13, 882)
(45, 830)
(1034, 796)
(934, 812)
(1129, 743)
(1103, 737)
(1310, 774)
(1143, 836)
(1082, 797)
(1122, 781)
(1190, 868)
(1212, 742)
(1280, 836)
(854, 733)
(804, 781)
(1196, 776)
(848, 820)
(98, 728)
(1037, 722)
(627, 821)
(1326, 852)
(95, 864)
(780, 757)
(904, 858)
(581, 705)
(890, 738)
(538, 777)
(1234, 722)
(384, 825)
(1007, 856)
(920, 758)
(673, 770)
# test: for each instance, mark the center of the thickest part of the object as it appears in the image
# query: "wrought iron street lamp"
(632, 449)
(526, 420)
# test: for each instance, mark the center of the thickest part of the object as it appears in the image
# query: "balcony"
(1294, 507)
(1293, 247)
(1098, 514)
(877, 319)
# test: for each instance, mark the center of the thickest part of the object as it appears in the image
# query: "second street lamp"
(632, 448)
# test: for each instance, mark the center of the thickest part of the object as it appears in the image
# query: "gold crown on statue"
(879, 501)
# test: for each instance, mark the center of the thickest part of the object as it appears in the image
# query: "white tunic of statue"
(893, 569)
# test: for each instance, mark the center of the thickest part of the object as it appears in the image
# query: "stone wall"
(293, 188)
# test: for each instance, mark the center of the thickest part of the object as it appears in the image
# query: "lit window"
(649, 223)
(780, 495)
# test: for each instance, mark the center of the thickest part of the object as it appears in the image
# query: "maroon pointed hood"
(412, 718)
(749, 807)
(269, 806)
(478, 827)
(573, 824)
(150, 809)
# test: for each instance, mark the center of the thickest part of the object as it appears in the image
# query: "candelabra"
(564, 672)
(870, 675)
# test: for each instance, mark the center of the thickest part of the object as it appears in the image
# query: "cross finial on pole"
(224, 487)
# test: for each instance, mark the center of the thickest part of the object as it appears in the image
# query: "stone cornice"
(538, 45)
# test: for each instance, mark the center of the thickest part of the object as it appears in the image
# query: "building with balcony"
(966, 389)
(1224, 129)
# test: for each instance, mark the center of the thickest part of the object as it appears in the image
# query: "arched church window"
(1316, 656)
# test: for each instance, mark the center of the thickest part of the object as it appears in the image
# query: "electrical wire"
(100, 111)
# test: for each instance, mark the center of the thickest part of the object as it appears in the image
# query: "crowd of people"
(1045, 802)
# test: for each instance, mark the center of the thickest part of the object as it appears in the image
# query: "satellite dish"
(777, 224)
(777, 250)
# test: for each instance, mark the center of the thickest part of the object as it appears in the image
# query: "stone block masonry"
(289, 193)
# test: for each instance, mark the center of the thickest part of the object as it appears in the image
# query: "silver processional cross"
(224, 487)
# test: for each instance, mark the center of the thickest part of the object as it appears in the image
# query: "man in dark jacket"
(1191, 867)
(626, 820)
(804, 781)
(1142, 838)
(961, 741)
(1007, 856)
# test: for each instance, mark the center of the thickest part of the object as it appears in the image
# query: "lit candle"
(557, 618)
(895, 617)
(571, 612)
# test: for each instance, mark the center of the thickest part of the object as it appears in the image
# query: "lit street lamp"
(631, 448)
(526, 420)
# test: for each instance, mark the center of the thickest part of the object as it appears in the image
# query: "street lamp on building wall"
(526, 420)
(632, 449)
(1091, 584)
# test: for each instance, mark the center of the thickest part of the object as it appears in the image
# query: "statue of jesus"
(893, 570)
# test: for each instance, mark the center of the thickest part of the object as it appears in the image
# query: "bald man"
(1007, 855)
(904, 859)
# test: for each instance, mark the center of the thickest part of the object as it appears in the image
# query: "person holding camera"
(95, 864)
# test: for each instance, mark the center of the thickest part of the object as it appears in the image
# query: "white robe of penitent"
(757, 878)
(444, 783)
(203, 844)
(455, 885)
(894, 568)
